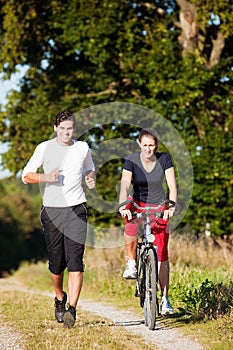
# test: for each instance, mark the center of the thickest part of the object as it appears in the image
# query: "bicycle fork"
(140, 271)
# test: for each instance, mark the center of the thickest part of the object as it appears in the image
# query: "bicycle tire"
(151, 280)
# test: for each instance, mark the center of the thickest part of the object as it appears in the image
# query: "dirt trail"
(9, 339)
(163, 337)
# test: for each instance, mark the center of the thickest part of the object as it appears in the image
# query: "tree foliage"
(175, 57)
(20, 232)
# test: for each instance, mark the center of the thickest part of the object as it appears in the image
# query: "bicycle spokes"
(150, 303)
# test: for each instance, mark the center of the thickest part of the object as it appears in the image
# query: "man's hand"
(90, 182)
(53, 176)
(36, 178)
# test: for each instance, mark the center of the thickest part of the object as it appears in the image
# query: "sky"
(5, 87)
(8, 85)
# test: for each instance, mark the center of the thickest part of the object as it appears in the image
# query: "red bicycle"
(147, 263)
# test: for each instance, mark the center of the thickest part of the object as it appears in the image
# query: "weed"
(210, 300)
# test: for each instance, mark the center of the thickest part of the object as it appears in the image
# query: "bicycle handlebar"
(146, 208)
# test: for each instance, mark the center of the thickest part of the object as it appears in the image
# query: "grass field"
(192, 264)
(32, 317)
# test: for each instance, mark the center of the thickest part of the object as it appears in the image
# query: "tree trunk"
(218, 46)
(188, 37)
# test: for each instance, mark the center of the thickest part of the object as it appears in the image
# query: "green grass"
(31, 316)
(103, 277)
(103, 281)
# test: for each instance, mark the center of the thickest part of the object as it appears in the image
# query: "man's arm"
(36, 178)
(30, 174)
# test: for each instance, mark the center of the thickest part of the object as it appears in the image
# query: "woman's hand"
(168, 213)
(126, 213)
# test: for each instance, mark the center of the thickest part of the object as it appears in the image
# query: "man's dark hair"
(149, 132)
(62, 116)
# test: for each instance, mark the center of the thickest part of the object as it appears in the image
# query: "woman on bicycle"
(146, 170)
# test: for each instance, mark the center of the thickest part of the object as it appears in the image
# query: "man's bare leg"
(75, 281)
(57, 281)
(61, 298)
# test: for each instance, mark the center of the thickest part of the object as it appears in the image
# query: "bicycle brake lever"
(135, 214)
(158, 214)
(123, 203)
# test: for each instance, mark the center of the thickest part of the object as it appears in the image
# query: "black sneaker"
(60, 308)
(69, 317)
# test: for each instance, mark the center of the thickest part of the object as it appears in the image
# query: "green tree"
(174, 57)
(20, 233)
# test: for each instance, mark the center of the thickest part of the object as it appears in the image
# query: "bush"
(210, 300)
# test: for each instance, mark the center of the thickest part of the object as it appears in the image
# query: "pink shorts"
(160, 229)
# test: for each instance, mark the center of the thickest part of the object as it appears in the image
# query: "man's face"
(64, 132)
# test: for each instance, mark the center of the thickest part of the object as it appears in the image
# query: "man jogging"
(64, 215)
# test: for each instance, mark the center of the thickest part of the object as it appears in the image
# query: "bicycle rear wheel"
(150, 303)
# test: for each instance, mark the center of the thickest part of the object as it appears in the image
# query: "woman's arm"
(171, 183)
(126, 179)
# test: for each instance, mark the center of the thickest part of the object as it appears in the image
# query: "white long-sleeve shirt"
(72, 162)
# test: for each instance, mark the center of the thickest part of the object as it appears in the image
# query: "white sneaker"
(165, 307)
(130, 270)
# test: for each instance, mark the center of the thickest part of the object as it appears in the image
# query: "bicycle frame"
(147, 263)
(147, 272)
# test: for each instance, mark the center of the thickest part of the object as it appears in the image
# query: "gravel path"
(9, 340)
(163, 337)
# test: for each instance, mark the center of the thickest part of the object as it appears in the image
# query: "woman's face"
(148, 146)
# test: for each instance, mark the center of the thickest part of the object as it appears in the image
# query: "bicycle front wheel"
(140, 285)
(150, 303)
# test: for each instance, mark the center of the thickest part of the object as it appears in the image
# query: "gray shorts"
(65, 231)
